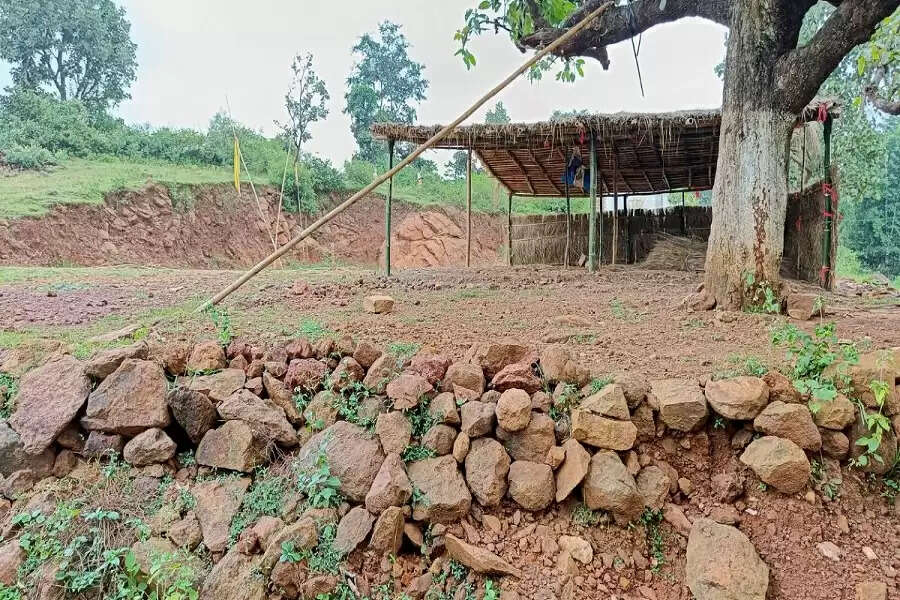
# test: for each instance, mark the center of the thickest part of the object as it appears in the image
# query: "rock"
(18, 483)
(514, 410)
(432, 367)
(391, 486)
(790, 421)
(804, 307)
(366, 353)
(477, 418)
(465, 375)
(533, 442)
(303, 534)
(49, 398)
(305, 373)
(578, 548)
(541, 401)
(446, 497)
(380, 373)
(174, 356)
(674, 516)
(609, 486)
(738, 398)
(321, 412)
(487, 466)
(461, 446)
(65, 463)
(387, 534)
(601, 432)
(102, 445)
(557, 366)
(778, 462)
(232, 446)
(72, 438)
(722, 564)
(129, 401)
(871, 590)
(531, 484)
(217, 503)
(235, 577)
(11, 556)
(440, 439)
(353, 456)
(149, 447)
(299, 348)
(887, 451)
(13, 456)
(378, 304)
(478, 559)
(682, 405)
(206, 356)
(518, 375)
(192, 411)
(216, 386)
(634, 387)
(829, 551)
(443, 409)
(644, 422)
(493, 357)
(394, 431)
(346, 373)
(653, 486)
(728, 485)
(876, 365)
(837, 414)
(282, 397)
(353, 530)
(104, 362)
(573, 470)
(186, 532)
(406, 390)
(608, 402)
(781, 389)
(265, 419)
(835, 444)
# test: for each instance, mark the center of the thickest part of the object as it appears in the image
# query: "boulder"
(478, 559)
(790, 421)
(380, 373)
(186, 533)
(533, 442)
(465, 375)
(235, 577)
(682, 405)
(778, 462)
(439, 438)
(308, 374)
(518, 375)
(216, 386)
(321, 412)
(461, 446)
(781, 388)
(217, 503)
(149, 447)
(804, 307)
(282, 397)
(378, 304)
(432, 367)
(722, 564)
(232, 446)
(645, 422)
(493, 357)
(390, 488)
(837, 414)
(13, 456)
(573, 469)
(578, 548)
(609, 486)
(446, 499)
(365, 354)
(514, 410)
(173, 356)
(407, 389)
(387, 534)
(104, 362)
(64, 463)
(634, 387)
(443, 409)
(608, 402)
(835, 444)
(653, 485)
(49, 398)
(557, 365)
(487, 466)
(353, 530)
(206, 356)
(11, 557)
(394, 431)
(354, 456)
(101, 445)
(531, 484)
(346, 373)
(887, 451)
(265, 419)
(738, 398)
(129, 401)
(601, 432)
(298, 348)
(477, 418)
(193, 411)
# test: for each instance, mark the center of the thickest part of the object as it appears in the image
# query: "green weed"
(876, 422)
(585, 517)
(222, 322)
(348, 402)
(403, 351)
(324, 558)
(320, 487)
(651, 519)
(760, 296)
(419, 417)
(564, 403)
(313, 330)
(265, 497)
(740, 364)
(414, 453)
(598, 383)
(9, 388)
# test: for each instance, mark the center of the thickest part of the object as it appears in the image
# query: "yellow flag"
(237, 165)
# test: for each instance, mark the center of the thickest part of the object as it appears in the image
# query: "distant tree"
(384, 85)
(562, 115)
(304, 101)
(80, 49)
(497, 116)
(456, 166)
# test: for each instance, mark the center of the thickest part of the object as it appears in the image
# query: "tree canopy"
(497, 115)
(304, 102)
(79, 49)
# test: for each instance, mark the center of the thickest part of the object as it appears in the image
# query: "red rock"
(518, 375)
(129, 401)
(232, 446)
(432, 367)
(306, 374)
(464, 375)
(531, 484)
(265, 419)
(192, 411)
(104, 362)
(206, 356)
(149, 447)
(217, 503)
(406, 390)
(487, 466)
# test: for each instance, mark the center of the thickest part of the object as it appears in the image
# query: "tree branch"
(623, 22)
(800, 72)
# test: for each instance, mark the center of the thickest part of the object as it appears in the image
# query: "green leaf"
(485, 4)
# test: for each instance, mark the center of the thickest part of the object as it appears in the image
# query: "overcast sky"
(192, 54)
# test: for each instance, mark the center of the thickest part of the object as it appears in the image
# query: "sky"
(194, 54)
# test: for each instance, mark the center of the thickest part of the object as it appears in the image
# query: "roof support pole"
(683, 220)
(615, 214)
(827, 276)
(469, 208)
(627, 230)
(387, 212)
(509, 230)
(568, 210)
(592, 219)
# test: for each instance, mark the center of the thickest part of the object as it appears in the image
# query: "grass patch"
(313, 330)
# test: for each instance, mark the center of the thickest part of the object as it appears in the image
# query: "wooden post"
(509, 230)
(615, 239)
(627, 230)
(683, 221)
(827, 276)
(592, 219)
(615, 202)
(387, 212)
(568, 210)
(469, 208)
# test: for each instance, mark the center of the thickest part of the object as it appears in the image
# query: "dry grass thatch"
(673, 253)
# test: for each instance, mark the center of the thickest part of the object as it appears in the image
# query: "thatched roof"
(637, 153)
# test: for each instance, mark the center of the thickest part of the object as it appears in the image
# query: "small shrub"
(598, 383)
(651, 519)
(348, 401)
(28, 157)
(564, 403)
(320, 487)
(222, 322)
(415, 453)
(585, 517)
(265, 497)
(419, 417)
(9, 388)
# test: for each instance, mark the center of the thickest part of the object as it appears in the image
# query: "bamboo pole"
(558, 43)
(615, 217)
(568, 209)
(509, 230)
(387, 212)
(469, 208)
(592, 219)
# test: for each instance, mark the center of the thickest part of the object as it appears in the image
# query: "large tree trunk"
(750, 193)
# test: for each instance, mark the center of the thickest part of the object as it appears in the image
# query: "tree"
(304, 101)
(456, 166)
(80, 49)
(384, 85)
(769, 80)
(497, 116)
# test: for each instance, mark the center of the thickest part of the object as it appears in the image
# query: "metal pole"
(387, 212)
(592, 219)
(826, 239)
(469, 208)
(509, 230)
(568, 210)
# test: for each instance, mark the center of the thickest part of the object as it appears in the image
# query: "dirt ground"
(620, 319)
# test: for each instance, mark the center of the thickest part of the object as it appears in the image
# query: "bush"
(28, 157)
